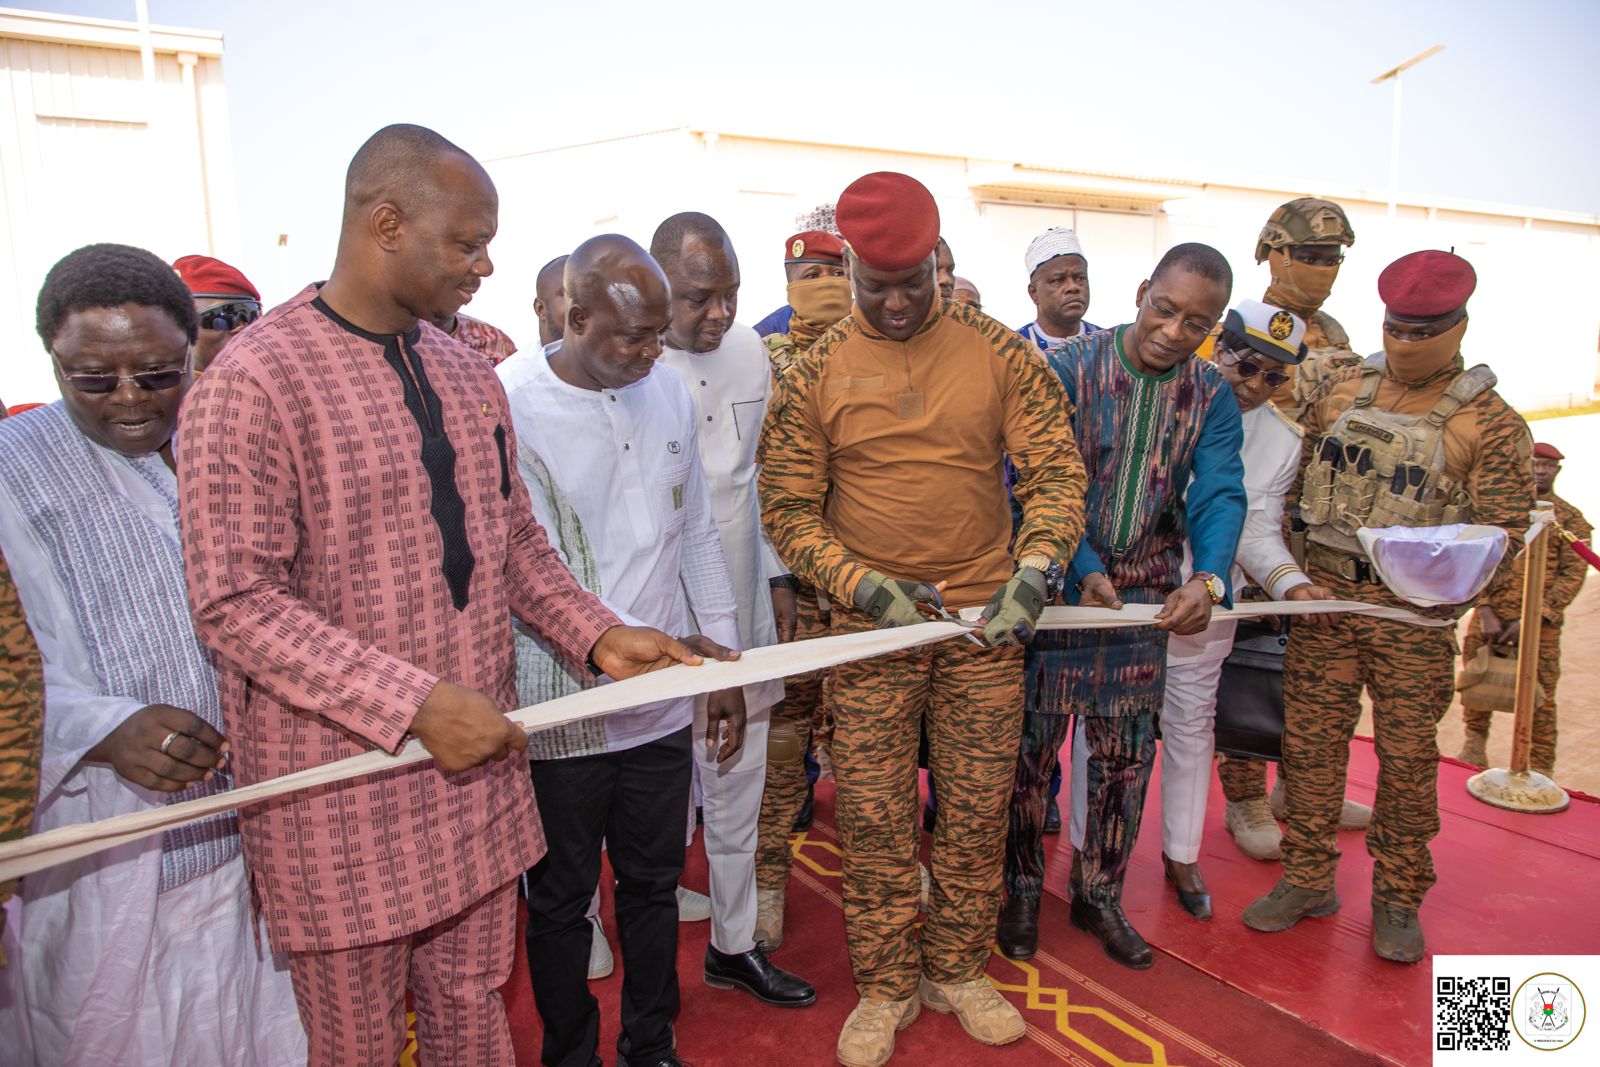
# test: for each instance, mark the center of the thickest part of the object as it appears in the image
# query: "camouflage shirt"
(886, 455)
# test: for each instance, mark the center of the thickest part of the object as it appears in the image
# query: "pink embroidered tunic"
(354, 530)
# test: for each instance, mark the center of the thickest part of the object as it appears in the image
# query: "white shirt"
(628, 508)
(1271, 455)
(731, 386)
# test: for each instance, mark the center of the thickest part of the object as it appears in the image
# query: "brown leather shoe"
(1117, 936)
(1017, 932)
(1192, 892)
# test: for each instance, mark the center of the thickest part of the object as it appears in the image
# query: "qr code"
(1472, 1014)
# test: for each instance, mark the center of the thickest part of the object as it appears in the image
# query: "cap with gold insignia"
(814, 246)
(1309, 220)
(1272, 331)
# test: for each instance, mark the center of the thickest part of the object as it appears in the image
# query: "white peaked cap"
(1434, 566)
(1056, 241)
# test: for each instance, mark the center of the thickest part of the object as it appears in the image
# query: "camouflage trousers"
(1243, 779)
(1121, 754)
(801, 717)
(1410, 673)
(971, 698)
(1542, 756)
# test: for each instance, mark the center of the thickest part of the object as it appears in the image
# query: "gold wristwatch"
(1214, 585)
(1038, 563)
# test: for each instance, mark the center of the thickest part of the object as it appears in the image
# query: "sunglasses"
(151, 381)
(229, 316)
(1249, 368)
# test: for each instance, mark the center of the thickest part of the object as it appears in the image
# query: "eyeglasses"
(1249, 368)
(151, 381)
(228, 316)
(1317, 255)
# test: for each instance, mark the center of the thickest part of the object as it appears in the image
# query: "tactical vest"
(1376, 468)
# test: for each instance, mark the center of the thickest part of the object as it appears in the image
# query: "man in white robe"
(725, 367)
(145, 953)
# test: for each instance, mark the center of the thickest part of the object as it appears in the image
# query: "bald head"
(616, 314)
(400, 165)
(419, 214)
(550, 300)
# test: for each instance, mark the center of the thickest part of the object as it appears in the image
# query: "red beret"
(1544, 451)
(211, 277)
(813, 246)
(1426, 285)
(888, 220)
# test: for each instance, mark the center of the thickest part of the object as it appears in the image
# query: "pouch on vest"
(1375, 468)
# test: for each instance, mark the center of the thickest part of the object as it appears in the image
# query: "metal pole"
(1394, 149)
(147, 50)
(1528, 649)
(1516, 787)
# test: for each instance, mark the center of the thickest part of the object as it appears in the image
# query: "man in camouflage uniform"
(1303, 245)
(881, 483)
(1412, 440)
(1564, 574)
(21, 722)
(819, 293)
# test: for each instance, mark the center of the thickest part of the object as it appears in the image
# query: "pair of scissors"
(943, 614)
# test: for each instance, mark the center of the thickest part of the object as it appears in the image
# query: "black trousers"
(634, 801)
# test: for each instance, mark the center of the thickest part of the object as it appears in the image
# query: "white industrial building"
(1536, 315)
(107, 133)
(121, 134)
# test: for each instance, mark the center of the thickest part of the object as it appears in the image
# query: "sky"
(1263, 90)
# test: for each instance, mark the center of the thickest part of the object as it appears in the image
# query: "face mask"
(1416, 361)
(1298, 286)
(820, 302)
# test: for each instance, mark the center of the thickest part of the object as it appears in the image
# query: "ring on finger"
(167, 743)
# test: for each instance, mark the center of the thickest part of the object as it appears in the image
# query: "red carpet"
(1219, 992)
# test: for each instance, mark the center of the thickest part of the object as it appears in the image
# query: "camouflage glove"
(892, 601)
(1011, 613)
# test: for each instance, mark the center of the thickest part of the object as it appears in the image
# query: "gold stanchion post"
(1517, 788)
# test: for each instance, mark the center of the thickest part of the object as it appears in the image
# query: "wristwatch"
(1038, 562)
(1214, 585)
(784, 581)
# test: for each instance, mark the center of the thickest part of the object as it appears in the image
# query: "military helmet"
(1306, 221)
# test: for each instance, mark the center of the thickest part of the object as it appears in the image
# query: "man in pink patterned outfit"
(356, 539)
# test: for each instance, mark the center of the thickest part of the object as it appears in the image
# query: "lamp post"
(1394, 126)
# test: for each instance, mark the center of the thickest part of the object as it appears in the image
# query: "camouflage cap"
(1307, 221)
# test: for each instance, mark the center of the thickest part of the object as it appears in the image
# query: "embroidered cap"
(1054, 242)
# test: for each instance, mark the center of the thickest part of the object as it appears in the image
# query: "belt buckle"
(1352, 569)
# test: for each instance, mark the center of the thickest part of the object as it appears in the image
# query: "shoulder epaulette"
(1299, 431)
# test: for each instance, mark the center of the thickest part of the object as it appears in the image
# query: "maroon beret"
(1544, 451)
(888, 220)
(813, 246)
(211, 277)
(1426, 285)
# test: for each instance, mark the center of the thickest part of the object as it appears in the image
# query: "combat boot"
(769, 917)
(1288, 904)
(867, 1038)
(983, 1012)
(1396, 933)
(1475, 748)
(1252, 826)
(1352, 816)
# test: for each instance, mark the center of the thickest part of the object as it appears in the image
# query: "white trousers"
(1188, 742)
(730, 801)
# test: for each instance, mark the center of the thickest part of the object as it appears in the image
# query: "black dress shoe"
(1192, 894)
(803, 820)
(1120, 940)
(669, 1060)
(930, 817)
(1017, 932)
(754, 973)
(1052, 816)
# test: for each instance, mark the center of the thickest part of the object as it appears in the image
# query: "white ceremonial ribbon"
(66, 843)
(1542, 516)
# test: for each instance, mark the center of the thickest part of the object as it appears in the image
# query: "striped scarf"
(122, 574)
